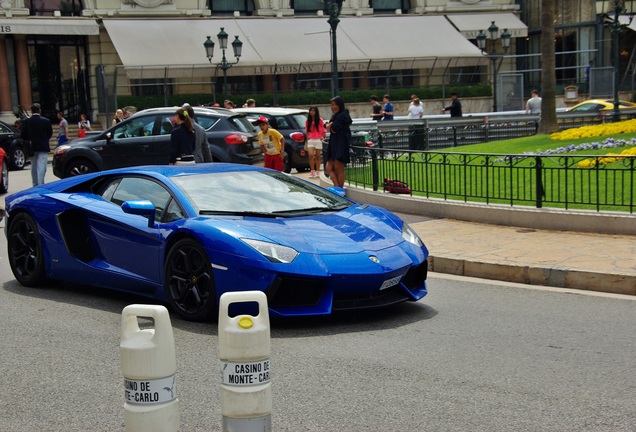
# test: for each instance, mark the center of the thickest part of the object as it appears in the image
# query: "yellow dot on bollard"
(245, 322)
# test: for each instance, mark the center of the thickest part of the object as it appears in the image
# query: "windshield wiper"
(238, 213)
(313, 210)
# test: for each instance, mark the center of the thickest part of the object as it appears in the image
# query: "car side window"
(4, 129)
(136, 188)
(135, 127)
(167, 124)
(282, 123)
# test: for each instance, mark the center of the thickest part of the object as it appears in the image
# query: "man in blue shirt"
(387, 111)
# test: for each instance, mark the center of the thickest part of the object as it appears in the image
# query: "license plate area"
(391, 282)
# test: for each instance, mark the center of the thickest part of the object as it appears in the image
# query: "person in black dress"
(339, 129)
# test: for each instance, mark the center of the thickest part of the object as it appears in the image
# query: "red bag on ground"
(396, 186)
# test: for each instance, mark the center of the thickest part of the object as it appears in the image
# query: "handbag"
(396, 186)
(81, 133)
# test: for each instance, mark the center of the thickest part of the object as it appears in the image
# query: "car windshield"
(257, 192)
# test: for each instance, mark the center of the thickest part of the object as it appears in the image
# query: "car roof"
(271, 110)
(197, 110)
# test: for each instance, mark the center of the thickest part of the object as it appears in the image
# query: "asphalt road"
(471, 356)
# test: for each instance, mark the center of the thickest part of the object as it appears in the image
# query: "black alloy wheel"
(189, 281)
(26, 256)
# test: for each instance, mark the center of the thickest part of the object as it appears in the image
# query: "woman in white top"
(416, 111)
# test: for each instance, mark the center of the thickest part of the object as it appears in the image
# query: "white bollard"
(149, 365)
(244, 351)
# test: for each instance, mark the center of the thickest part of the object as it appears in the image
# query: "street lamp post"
(237, 47)
(334, 7)
(615, 28)
(493, 32)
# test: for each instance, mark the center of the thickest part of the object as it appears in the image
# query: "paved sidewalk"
(564, 259)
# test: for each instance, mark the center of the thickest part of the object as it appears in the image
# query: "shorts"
(315, 143)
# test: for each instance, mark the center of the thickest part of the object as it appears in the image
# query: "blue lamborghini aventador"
(184, 235)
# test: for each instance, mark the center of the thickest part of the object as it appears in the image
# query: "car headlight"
(411, 236)
(62, 149)
(272, 251)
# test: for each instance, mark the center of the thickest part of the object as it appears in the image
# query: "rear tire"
(4, 177)
(189, 281)
(17, 159)
(26, 256)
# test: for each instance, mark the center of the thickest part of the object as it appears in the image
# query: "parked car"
(291, 123)
(144, 139)
(593, 105)
(205, 229)
(13, 146)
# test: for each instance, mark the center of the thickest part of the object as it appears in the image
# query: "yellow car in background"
(593, 105)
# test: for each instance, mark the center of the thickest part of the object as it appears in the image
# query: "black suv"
(11, 143)
(144, 139)
(290, 122)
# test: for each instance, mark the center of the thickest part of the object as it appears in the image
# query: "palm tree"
(548, 78)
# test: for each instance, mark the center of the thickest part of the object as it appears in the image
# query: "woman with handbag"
(83, 126)
(315, 131)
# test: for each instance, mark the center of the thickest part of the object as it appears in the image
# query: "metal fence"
(595, 182)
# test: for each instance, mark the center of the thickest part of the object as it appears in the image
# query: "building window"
(307, 7)
(389, 6)
(48, 7)
(227, 7)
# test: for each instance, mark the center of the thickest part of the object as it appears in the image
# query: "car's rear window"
(241, 123)
(300, 120)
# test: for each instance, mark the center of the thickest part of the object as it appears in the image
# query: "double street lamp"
(493, 32)
(237, 47)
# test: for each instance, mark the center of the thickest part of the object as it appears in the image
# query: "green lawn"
(477, 173)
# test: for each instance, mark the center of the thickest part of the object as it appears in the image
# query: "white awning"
(470, 24)
(50, 26)
(626, 21)
(288, 45)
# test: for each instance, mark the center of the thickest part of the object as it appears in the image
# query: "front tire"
(189, 282)
(79, 167)
(26, 256)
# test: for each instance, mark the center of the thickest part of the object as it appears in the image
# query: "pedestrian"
(182, 139)
(201, 145)
(119, 117)
(39, 131)
(376, 108)
(273, 144)
(416, 111)
(455, 107)
(387, 110)
(63, 135)
(228, 104)
(339, 128)
(250, 103)
(315, 130)
(533, 106)
(83, 126)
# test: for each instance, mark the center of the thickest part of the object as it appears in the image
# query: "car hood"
(349, 231)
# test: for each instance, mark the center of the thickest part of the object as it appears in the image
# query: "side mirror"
(109, 136)
(142, 208)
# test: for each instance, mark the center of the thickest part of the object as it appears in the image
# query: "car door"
(125, 242)
(131, 143)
